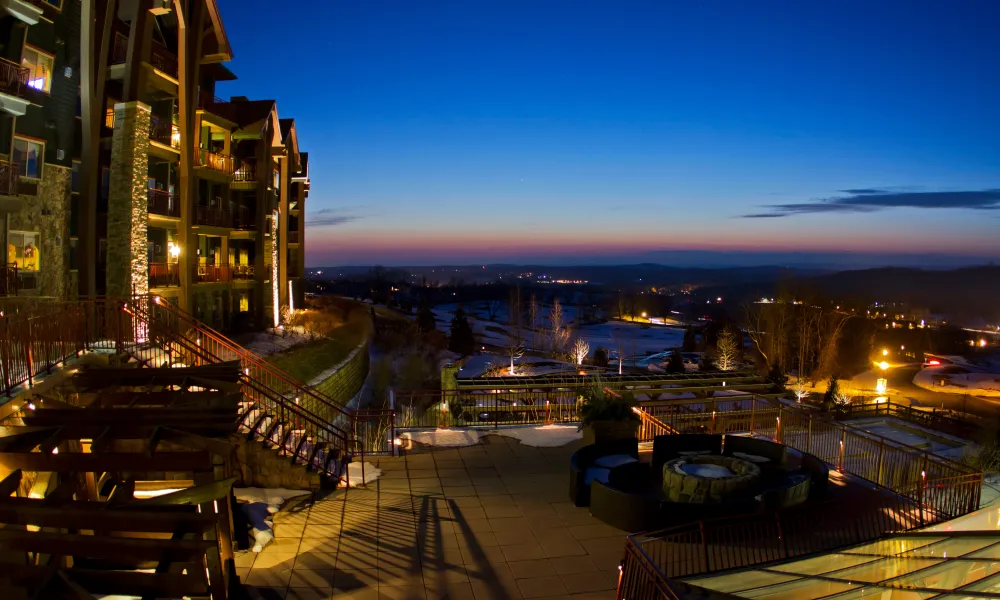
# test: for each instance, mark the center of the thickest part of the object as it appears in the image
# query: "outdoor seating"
(584, 459)
(669, 447)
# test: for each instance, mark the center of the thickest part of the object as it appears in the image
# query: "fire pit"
(707, 479)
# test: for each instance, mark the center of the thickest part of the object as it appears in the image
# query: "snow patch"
(544, 436)
(445, 438)
(355, 477)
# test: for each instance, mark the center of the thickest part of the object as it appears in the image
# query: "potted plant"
(607, 416)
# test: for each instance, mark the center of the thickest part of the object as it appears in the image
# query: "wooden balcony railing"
(163, 202)
(159, 56)
(244, 218)
(164, 132)
(213, 216)
(109, 121)
(222, 163)
(13, 78)
(214, 273)
(293, 237)
(9, 282)
(9, 178)
(164, 275)
(119, 49)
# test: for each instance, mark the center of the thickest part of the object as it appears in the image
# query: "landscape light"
(643, 315)
(885, 352)
(982, 343)
(881, 386)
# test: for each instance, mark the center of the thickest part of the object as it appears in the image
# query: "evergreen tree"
(689, 340)
(832, 391)
(777, 378)
(601, 357)
(676, 364)
(425, 318)
(461, 339)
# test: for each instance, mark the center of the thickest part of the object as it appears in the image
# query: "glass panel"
(32, 160)
(23, 250)
(893, 546)
(950, 575)
(743, 580)
(823, 564)
(39, 69)
(952, 548)
(883, 569)
(988, 552)
(803, 588)
(987, 585)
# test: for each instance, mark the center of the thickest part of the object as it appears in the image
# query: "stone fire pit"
(707, 479)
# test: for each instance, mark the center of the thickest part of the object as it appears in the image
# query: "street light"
(885, 352)
(883, 365)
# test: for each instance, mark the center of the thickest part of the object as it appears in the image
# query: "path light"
(397, 442)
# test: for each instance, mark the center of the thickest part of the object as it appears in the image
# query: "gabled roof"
(252, 117)
(290, 139)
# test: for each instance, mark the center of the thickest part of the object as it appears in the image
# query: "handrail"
(13, 77)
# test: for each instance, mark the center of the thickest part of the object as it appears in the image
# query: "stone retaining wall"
(344, 380)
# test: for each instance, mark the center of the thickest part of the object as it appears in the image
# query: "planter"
(600, 432)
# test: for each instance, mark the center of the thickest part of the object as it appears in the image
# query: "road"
(903, 390)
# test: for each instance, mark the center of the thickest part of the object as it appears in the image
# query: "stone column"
(128, 214)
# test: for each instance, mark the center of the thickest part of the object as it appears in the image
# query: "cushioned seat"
(583, 459)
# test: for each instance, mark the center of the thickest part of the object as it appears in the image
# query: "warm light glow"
(291, 299)
(174, 250)
(982, 343)
(880, 386)
(883, 365)
(885, 352)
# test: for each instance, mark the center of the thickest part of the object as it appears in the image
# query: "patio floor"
(486, 522)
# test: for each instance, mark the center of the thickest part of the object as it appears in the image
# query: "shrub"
(601, 405)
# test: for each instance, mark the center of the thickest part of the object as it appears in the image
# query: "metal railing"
(13, 78)
(119, 50)
(933, 419)
(484, 407)
(214, 216)
(162, 202)
(9, 281)
(246, 172)
(164, 275)
(163, 131)
(162, 59)
(216, 106)
(9, 178)
(242, 272)
(211, 160)
(109, 120)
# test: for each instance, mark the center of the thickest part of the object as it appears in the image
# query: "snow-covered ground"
(272, 341)
(637, 339)
(361, 474)
(936, 442)
(975, 384)
(539, 436)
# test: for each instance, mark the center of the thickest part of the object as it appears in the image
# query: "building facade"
(122, 171)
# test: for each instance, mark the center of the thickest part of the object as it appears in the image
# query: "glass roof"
(948, 561)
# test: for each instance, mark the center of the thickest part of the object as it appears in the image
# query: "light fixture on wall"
(174, 250)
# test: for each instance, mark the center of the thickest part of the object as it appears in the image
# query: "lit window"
(28, 157)
(244, 303)
(39, 69)
(23, 250)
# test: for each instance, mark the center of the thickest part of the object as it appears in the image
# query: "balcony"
(13, 87)
(245, 176)
(163, 60)
(242, 272)
(213, 216)
(26, 11)
(244, 218)
(9, 178)
(164, 275)
(293, 237)
(214, 274)
(160, 58)
(9, 281)
(162, 202)
(216, 106)
(119, 49)
(163, 131)
(218, 163)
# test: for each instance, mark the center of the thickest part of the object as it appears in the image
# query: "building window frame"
(41, 55)
(56, 4)
(77, 166)
(25, 261)
(23, 169)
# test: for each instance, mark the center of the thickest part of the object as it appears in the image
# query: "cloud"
(866, 200)
(329, 216)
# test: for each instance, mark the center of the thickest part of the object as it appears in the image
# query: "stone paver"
(487, 522)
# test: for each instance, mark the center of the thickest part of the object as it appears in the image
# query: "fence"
(927, 418)
(485, 407)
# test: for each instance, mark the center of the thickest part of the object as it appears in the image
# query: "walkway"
(487, 522)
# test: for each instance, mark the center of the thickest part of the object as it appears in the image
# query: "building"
(123, 172)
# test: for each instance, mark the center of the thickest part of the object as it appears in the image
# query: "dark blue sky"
(477, 130)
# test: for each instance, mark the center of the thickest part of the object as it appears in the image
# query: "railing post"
(704, 546)
(843, 438)
(879, 475)
(30, 351)
(753, 413)
(809, 435)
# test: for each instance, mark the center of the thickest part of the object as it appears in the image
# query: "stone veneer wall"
(262, 467)
(128, 214)
(342, 381)
(48, 213)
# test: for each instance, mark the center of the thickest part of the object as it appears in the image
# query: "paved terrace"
(486, 522)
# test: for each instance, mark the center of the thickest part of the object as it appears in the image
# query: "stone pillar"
(128, 214)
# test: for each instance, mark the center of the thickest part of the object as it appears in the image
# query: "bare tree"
(727, 351)
(619, 347)
(533, 318)
(558, 327)
(515, 350)
(621, 305)
(581, 350)
(800, 388)
(493, 307)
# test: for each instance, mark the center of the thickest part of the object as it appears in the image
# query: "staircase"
(283, 414)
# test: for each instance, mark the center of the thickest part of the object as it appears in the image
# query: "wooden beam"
(198, 442)
(139, 41)
(100, 516)
(111, 548)
(26, 440)
(10, 483)
(122, 494)
(53, 441)
(119, 583)
(68, 485)
(74, 588)
(153, 440)
(102, 440)
(200, 494)
(100, 463)
(164, 398)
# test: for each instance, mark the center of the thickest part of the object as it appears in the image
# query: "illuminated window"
(39, 68)
(23, 250)
(244, 303)
(27, 156)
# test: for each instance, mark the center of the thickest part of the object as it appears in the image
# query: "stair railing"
(156, 323)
